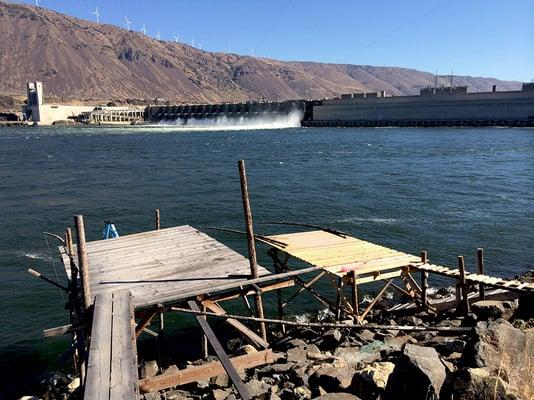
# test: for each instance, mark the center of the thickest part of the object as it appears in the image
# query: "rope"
(51, 262)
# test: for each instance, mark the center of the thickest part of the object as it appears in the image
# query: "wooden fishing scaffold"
(119, 287)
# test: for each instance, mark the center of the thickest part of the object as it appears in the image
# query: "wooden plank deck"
(112, 365)
(341, 254)
(163, 266)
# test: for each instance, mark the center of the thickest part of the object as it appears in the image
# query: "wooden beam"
(248, 292)
(57, 331)
(83, 261)
(375, 300)
(424, 281)
(304, 287)
(480, 262)
(463, 286)
(223, 357)
(157, 219)
(249, 334)
(250, 241)
(204, 372)
(145, 321)
(354, 293)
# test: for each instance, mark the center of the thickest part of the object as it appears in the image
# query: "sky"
(491, 38)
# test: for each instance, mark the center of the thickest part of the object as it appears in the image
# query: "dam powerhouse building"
(441, 106)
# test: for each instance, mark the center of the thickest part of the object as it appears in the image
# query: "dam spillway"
(182, 114)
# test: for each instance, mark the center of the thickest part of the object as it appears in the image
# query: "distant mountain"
(78, 59)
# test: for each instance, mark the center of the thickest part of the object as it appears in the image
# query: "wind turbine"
(200, 46)
(97, 15)
(193, 42)
(36, 3)
(158, 36)
(127, 23)
(143, 29)
(176, 39)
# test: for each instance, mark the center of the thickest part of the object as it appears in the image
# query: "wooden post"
(424, 281)
(480, 258)
(158, 220)
(83, 262)
(204, 343)
(463, 288)
(355, 303)
(277, 268)
(250, 241)
(338, 300)
(68, 242)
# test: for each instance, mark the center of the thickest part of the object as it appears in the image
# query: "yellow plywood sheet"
(340, 254)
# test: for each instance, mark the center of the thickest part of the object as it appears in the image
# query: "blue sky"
(472, 37)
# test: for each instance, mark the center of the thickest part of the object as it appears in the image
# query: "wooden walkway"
(112, 365)
(340, 254)
(162, 266)
(507, 284)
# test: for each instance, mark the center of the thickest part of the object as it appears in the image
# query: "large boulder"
(493, 309)
(478, 383)
(506, 352)
(371, 382)
(419, 374)
(331, 379)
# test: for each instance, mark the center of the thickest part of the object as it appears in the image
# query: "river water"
(446, 190)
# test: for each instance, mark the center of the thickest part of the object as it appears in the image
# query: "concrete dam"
(434, 106)
(185, 114)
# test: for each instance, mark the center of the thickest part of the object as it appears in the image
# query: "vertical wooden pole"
(68, 242)
(158, 220)
(463, 288)
(277, 268)
(250, 241)
(205, 349)
(354, 286)
(338, 300)
(83, 263)
(480, 259)
(424, 281)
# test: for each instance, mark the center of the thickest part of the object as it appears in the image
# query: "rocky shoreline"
(491, 358)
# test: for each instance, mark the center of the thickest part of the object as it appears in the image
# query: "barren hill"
(80, 59)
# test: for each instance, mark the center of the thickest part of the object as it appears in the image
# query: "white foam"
(260, 121)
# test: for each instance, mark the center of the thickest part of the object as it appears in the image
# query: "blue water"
(445, 190)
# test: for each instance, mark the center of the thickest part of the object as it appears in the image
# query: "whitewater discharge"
(225, 123)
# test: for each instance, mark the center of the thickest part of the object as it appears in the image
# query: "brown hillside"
(80, 59)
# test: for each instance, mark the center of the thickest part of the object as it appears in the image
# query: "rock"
(366, 336)
(302, 392)
(246, 349)
(337, 396)
(371, 382)
(149, 369)
(74, 384)
(418, 374)
(330, 339)
(478, 383)
(171, 369)
(233, 344)
(258, 388)
(220, 394)
(447, 346)
(368, 353)
(493, 309)
(300, 354)
(331, 379)
(504, 351)
(220, 381)
(152, 396)
(175, 394)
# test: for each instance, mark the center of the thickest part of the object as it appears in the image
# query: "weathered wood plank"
(98, 365)
(223, 357)
(205, 371)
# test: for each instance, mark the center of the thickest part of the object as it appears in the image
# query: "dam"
(434, 106)
(185, 113)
